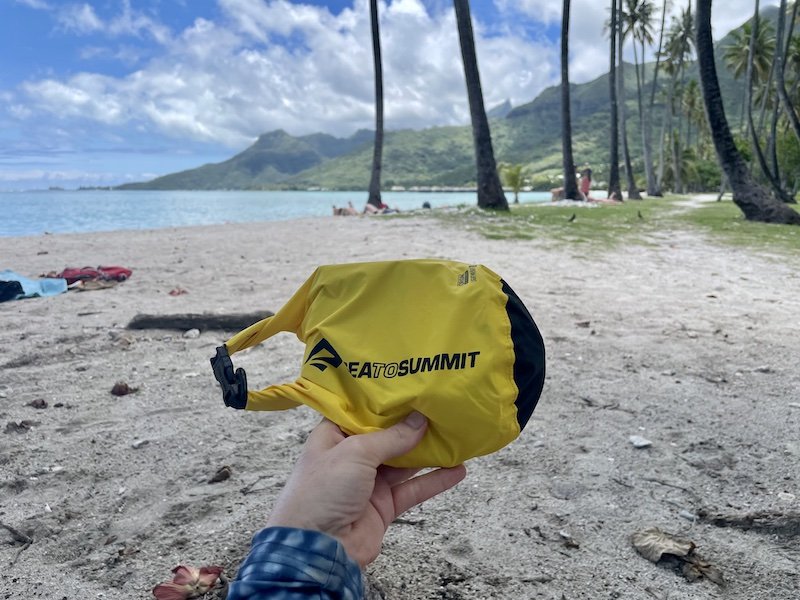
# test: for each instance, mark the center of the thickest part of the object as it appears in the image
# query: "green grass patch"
(603, 225)
(633, 222)
(725, 223)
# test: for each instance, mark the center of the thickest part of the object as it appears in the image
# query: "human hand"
(341, 487)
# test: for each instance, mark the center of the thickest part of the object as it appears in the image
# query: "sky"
(102, 92)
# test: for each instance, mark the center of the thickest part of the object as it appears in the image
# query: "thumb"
(400, 438)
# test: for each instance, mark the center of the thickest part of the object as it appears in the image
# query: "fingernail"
(415, 420)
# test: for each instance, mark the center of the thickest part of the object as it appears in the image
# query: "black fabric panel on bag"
(529, 356)
(10, 290)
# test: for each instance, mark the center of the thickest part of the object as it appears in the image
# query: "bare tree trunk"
(614, 190)
(754, 201)
(490, 190)
(633, 190)
(377, 154)
(568, 162)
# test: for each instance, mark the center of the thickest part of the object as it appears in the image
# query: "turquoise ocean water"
(33, 213)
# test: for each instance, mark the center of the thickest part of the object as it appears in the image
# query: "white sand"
(690, 345)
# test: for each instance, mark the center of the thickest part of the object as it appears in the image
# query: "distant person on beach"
(380, 209)
(330, 518)
(347, 211)
(585, 183)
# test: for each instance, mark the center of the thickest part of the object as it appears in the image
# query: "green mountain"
(443, 156)
(271, 160)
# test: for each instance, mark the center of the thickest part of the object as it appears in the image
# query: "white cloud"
(55, 176)
(269, 64)
(82, 19)
(35, 4)
(79, 18)
(228, 82)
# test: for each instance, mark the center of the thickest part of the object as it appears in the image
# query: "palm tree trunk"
(781, 69)
(648, 126)
(377, 155)
(568, 162)
(754, 201)
(666, 124)
(675, 146)
(614, 190)
(762, 161)
(643, 125)
(490, 190)
(633, 191)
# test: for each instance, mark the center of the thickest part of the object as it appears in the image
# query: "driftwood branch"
(775, 522)
(203, 321)
(17, 534)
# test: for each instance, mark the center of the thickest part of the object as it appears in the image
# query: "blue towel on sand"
(35, 287)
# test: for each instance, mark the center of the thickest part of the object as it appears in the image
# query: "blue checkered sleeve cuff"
(296, 564)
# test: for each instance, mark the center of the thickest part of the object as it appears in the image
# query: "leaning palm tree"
(490, 190)
(377, 154)
(754, 201)
(568, 162)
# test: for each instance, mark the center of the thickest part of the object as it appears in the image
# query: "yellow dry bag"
(444, 338)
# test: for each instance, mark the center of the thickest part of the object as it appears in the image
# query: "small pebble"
(786, 497)
(794, 404)
(122, 389)
(639, 442)
(689, 516)
(192, 334)
(139, 443)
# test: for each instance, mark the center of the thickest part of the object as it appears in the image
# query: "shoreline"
(678, 341)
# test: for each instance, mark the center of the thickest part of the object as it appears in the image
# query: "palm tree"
(514, 176)
(568, 162)
(490, 191)
(678, 49)
(633, 190)
(754, 201)
(377, 155)
(648, 123)
(771, 177)
(639, 23)
(781, 67)
(614, 190)
(737, 57)
(692, 108)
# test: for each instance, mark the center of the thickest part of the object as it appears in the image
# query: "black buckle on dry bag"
(234, 383)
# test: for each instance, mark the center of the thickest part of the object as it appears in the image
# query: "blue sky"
(100, 92)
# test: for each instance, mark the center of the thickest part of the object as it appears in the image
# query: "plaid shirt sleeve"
(296, 564)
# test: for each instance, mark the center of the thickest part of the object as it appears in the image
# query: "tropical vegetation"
(698, 116)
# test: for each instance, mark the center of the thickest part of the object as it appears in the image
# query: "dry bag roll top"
(444, 338)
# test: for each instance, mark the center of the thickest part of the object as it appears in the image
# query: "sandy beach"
(684, 342)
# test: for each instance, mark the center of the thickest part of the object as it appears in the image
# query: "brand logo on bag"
(468, 276)
(323, 355)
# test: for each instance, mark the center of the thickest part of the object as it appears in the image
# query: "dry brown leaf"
(653, 543)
